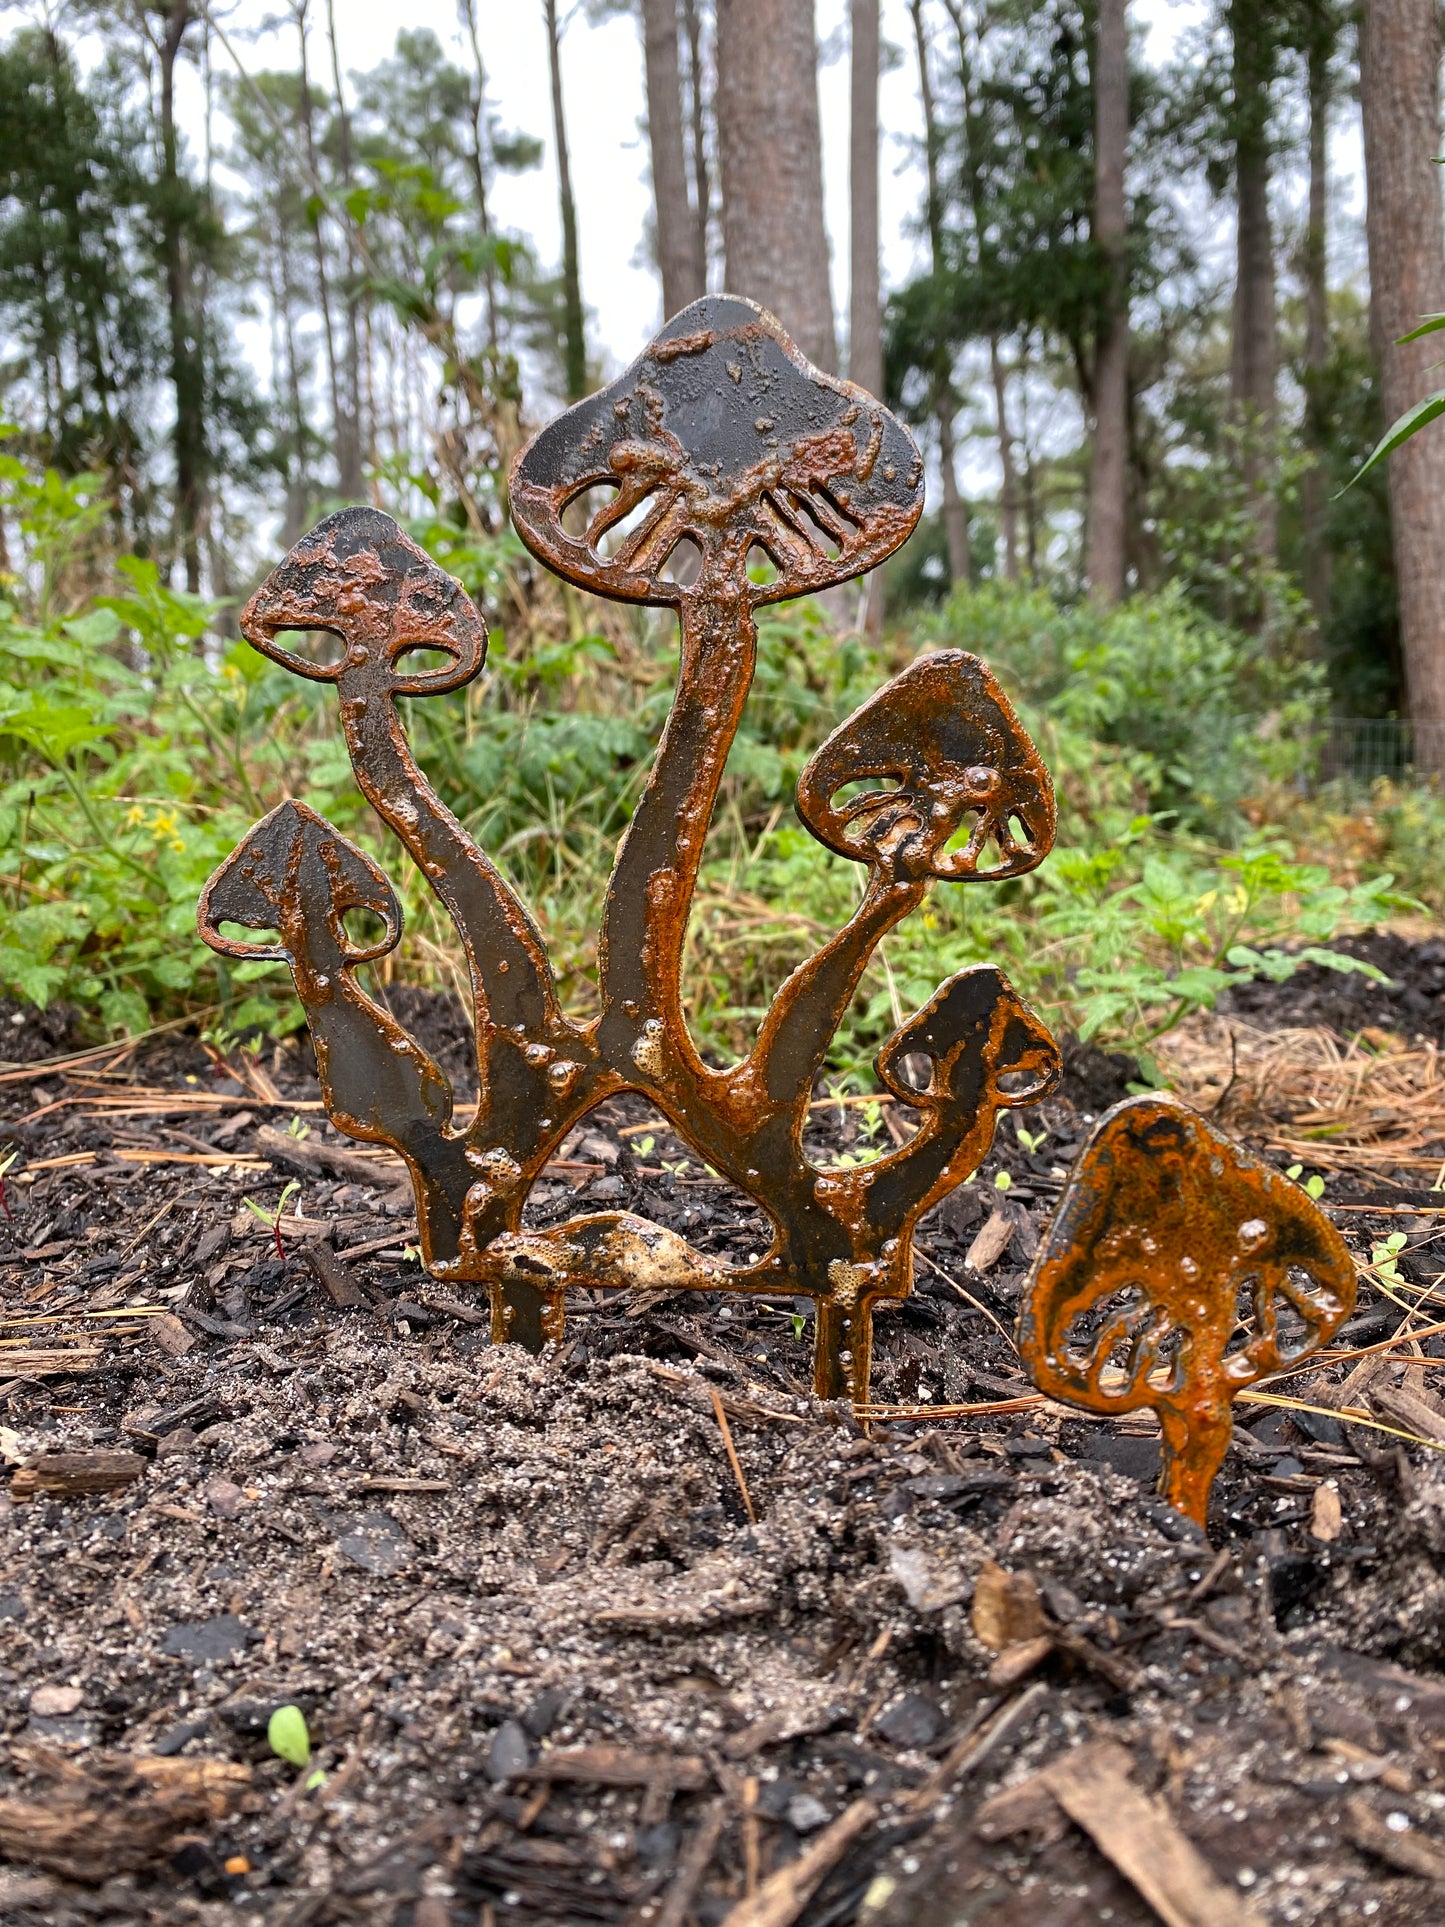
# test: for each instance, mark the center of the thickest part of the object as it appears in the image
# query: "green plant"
(271, 1216)
(288, 1736)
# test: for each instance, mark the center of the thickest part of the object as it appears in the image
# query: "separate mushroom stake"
(1178, 1270)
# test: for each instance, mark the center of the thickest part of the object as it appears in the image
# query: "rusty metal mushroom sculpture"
(777, 481)
(1177, 1271)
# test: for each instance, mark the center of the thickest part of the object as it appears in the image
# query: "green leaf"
(1432, 324)
(288, 1736)
(1410, 423)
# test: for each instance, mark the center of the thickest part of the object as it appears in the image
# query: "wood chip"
(1405, 1849)
(169, 1335)
(784, 1894)
(692, 1865)
(992, 1241)
(115, 1815)
(619, 1766)
(1093, 1786)
(312, 1156)
(1411, 1413)
(334, 1278)
(68, 1475)
(1016, 1662)
(1028, 1807)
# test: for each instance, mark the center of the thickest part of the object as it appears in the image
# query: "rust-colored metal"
(776, 480)
(1177, 1271)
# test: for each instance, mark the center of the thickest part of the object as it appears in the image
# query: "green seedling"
(1030, 1140)
(288, 1735)
(272, 1219)
(1383, 1256)
(1314, 1185)
(799, 1322)
(297, 1129)
(1002, 1181)
(646, 1146)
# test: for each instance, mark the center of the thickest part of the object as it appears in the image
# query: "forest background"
(1138, 340)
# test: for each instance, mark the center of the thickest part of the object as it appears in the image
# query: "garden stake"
(723, 449)
(1178, 1270)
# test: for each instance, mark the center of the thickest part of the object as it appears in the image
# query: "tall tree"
(698, 123)
(574, 339)
(1254, 352)
(1320, 27)
(350, 447)
(679, 257)
(771, 153)
(943, 401)
(1400, 100)
(176, 209)
(1108, 469)
(865, 316)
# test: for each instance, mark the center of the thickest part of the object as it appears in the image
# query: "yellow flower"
(163, 823)
(177, 844)
(135, 814)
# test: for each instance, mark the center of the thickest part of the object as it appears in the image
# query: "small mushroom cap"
(290, 866)
(738, 441)
(1164, 1212)
(975, 1030)
(358, 575)
(946, 734)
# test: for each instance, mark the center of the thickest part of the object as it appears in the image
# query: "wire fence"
(1361, 749)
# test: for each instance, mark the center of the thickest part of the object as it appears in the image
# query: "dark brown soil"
(464, 1564)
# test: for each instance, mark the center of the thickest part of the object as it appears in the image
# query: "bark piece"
(1405, 1850)
(1326, 1514)
(1017, 1661)
(308, 1157)
(1093, 1786)
(1409, 1411)
(68, 1475)
(114, 1816)
(1028, 1807)
(170, 1336)
(784, 1894)
(334, 1278)
(604, 1765)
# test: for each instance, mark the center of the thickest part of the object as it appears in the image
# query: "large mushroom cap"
(946, 735)
(1163, 1227)
(733, 441)
(980, 1042)
(360, 576)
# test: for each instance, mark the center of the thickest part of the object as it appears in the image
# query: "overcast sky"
(602, 76)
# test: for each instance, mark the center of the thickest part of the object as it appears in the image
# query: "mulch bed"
(950, 1669)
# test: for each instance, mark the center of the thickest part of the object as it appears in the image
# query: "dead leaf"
(992, 1241)
(1006, 1609)
(1326, 1514)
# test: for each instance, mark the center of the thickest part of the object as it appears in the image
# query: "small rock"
(541, 1715)
(208, 1640)
(807, 1813)
(912, 1721)
(509, 1753)
(1289, 1467)
(316, 1452)
(175, 1444)
(375, 1542)
(224, 1498)
(54, 1702)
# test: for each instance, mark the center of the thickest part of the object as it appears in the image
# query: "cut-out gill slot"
(617, 534)
(366, 930)
(256, 937)
(811, 518)
(683, 563)
(1020, 1083)
(761, 567)
(578, 515)
(423, 659)
(322, 648)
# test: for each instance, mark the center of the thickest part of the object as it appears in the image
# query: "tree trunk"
(1008, 486)
(1400, 98)
(697, 104)
(772, 167)
(678, 259)
(955, 509)
(1109, 460)
(574, 340)
(343, 428)
(1313, 488)
(477, 160)
(1254, 351)
(865, 322)
(187, 368)
(349, 451)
